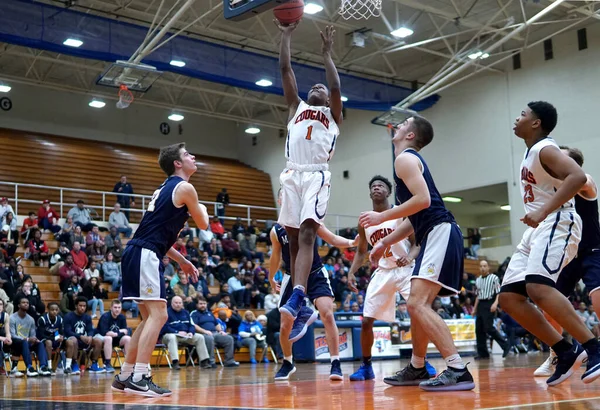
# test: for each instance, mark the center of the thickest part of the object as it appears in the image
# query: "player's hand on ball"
(534, 218)
(370, 218)
(189, 269)
(377, 252)
(327, 38)
(286, 28)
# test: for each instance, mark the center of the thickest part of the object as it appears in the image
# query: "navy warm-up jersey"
(590, 235)
(282, 237)
(162, 221)
(424, 220)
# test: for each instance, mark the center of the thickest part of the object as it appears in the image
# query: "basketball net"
(360, 9)
(125, 97)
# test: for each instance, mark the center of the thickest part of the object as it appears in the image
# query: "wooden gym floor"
(500, 384)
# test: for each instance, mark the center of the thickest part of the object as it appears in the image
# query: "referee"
(486, 304)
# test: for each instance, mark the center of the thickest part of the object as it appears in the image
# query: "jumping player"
(439, 265)
(549, 181)
(392, 275)
(319, 292)
(171, 205)
(312, 132)
(586, 265)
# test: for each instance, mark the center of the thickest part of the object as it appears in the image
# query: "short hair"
(575, 154)
(31, 213)
(80, 299)
(382, 179)
(115, 302)
(21, 299)
(53, 304)
(546, 113)
(423, 131)
(169, 154)
(200, 298)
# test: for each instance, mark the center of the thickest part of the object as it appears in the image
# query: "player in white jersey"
(549, 181)
(312, 132)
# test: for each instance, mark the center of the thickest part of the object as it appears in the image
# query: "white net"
(125, 98)
(360, 9)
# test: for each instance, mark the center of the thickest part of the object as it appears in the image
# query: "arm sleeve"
(41, 327)
(68, 324)
(89, 326)
(122, 322)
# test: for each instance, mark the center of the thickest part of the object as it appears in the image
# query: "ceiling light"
(453, 199)
(176, 117)
(484, 56)
(252, 130)
(264, 83)
(177, 63)
(312, 8)
(505, 207)
(71, 42)
(402, 32)
(475, 56)
(344, 99)
(97, 104)
(4, 88)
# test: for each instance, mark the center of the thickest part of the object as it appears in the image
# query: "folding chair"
(273, 355)
(189, 352)
(118, 351)
(7, 360)
(162, 352)
(219, 356)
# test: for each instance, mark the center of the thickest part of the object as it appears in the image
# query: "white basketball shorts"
(380, 300)
(304, 195)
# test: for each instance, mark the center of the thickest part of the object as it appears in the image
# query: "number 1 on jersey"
(309, 133)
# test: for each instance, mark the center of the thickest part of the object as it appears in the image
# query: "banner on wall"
(382, 342)
(462, 330)
(322, 348)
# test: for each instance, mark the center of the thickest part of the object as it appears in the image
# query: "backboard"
(238, 10)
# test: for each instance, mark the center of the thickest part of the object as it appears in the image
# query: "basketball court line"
(544, 403)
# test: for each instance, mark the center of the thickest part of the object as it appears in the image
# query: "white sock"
(68, 364)
(455, 362)
(300, 287)
(140, 370)
(417, 362)
(334, 358)
(126, 371)
(289, 359)
(49, 364)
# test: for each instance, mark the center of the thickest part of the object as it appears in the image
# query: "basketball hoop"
(125, 97)
(360, 9)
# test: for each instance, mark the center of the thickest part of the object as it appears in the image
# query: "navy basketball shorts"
(55, 343)
(585, 266)
(441, 258)
(143, 275)
(318, 286)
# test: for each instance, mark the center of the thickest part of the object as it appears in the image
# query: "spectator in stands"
(186, 232)
(30, 225)
(67, 232)
(35, 304)
(271, 300)
(224, 271)
(111, 272)
(48, 217)
(74, 289)
(237, 289)
(345, 307)
(38, 250)
(349, 254)
(222, 202)
(5, 208)
(456, 310)
(11, 221)
(206, 324)
(24, 341)
(92, 271)
(214, 250)
(217, 228)
(582, 312)
(402, 314)
(262, 283)
(7, 306)
(186, 291)
(95, 296)
(51, 333)
(248, 248)
(437, 307)
(68, 270)
(204, 236)
(468, 307)
(124, 188)
(192, 253)
(238, 230)
(230, 246)
(251, 336)
(8, 278)
(81, 216)
(8, 245)
(131, 306)
(57, 260)
(169, 270)
(179, 330)
(202, 285)
(110, 239)
(593, 322)
(92, 237)
(272, 331)
(229, 315)
(77, 236)
(118, 220)
(97, 253)
(79, 328)
(79, 257)
(468, 287)
(5, 339)
(475, 239)
(179, 246)
(112, 330)
(354, 307)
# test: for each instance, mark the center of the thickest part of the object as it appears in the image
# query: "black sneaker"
(45, 372)
(67, 371)
(450, 379)
(175, 365)
(145, 387)
(118, 385)
(205, 364)
(506, 350)
(568, 362)
(286, 370)
(409, 376)
(592, 371)
(336, 371)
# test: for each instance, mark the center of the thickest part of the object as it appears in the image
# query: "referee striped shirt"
(487, 287)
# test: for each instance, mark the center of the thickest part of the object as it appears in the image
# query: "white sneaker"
(31, 372)
(547, 368)
(16, 373)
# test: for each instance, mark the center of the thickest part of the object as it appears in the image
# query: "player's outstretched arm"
(560, 167)
(590, 189)
(408, 169)
(362, 250)
(290, 86)
(333, 78)
(336, 240)
(402, 231)
(275, 261)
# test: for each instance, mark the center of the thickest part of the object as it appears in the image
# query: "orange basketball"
(289, 12)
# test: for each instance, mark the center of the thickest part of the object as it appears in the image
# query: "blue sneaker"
(305, 318)
(75, 369)
(365, 372)
(430, 369)
(253, 361)
(294, 303)
(94, 368)
(592, 371)
(336, 371)
(286, 370)
(568, 362)
(108, 368)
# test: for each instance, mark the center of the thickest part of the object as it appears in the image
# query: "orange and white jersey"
(537, 185)
(390, 256)
(312, 133)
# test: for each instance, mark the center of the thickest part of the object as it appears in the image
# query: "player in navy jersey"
(51, 332)
(143, 275)
(439, 265)
(318, 291)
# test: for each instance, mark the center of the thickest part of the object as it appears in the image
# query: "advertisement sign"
(462, 330)
(382, 342)
(322, 349)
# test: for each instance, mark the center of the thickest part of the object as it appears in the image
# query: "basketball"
(289, 12)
